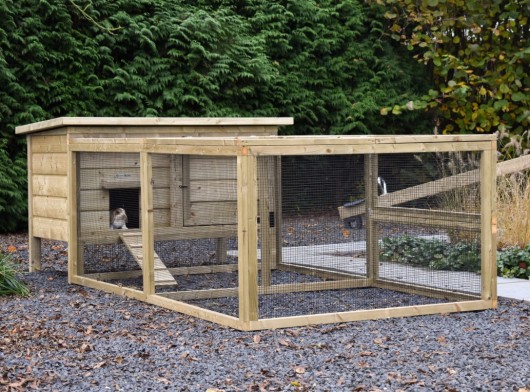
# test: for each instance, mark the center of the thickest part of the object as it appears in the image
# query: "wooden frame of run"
(247, 150)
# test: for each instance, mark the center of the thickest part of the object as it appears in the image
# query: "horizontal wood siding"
(211, 186)
(53, 229)
(49, 187)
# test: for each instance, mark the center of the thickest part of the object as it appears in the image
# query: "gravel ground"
(71, 338)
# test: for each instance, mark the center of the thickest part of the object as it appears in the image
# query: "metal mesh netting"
(422, 254)
(325, 244)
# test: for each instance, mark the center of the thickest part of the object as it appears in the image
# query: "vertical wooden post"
(75, 252)
(175, 191)
(146, 184)
(265, 207)
(247, 236)
(277, 183)
(488, 245)
(372, 246)
(34, 242)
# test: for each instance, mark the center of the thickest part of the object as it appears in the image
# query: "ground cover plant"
(10, 284)
(512, 262)
(431, 253)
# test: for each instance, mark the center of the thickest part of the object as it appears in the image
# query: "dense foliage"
(514, 262)
(327, 64)
(479, 55)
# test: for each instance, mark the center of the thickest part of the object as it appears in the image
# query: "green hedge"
(327, 64)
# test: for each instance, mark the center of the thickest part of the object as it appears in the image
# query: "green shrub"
(328, 64)
(431, 253)
(514, 262)
(13, 204)
(9, 282)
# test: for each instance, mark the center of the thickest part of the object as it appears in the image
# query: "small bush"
(514, 262)
(9, 282)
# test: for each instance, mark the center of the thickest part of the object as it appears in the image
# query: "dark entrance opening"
(129, 200)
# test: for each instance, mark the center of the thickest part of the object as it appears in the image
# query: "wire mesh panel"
(199, 249)
(109, 206)
(325, 266)
(433, 245)
(257, 235)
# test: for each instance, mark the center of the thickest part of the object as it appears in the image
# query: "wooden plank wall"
(48, 185)
(118, 170)
(210, 190)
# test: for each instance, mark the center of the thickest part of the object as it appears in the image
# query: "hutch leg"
(35, 245)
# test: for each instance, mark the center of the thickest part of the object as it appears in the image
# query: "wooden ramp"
(133, 242)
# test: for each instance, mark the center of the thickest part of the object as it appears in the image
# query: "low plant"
(9, 282)
(514, 262)
(431, 253)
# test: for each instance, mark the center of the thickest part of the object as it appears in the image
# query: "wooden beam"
(109, 236)
(146, 177)
(151, 121)
(421, 217)
(247, 237)
(371, 171)
(373, 314)
(450, 295)
(437, 186)
(488, 249)
(268, 290)
(34, 242)
(75, 250)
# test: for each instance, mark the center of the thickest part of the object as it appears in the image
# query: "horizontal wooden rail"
(437, 218)
(434, 187)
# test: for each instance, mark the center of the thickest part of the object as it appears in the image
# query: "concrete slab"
(513, 288)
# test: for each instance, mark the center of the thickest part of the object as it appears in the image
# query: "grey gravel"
(70, 338)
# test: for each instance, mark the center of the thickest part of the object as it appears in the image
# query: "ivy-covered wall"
(328, 64)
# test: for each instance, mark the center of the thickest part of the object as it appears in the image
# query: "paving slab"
(513, 288)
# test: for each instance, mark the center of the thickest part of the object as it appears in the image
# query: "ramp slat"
(133, 242)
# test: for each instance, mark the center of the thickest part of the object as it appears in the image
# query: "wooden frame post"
(266, 207)
(146, 183)
(247, 215)
(75, 253)
(488, 183)
(34, 243)
(372, 246)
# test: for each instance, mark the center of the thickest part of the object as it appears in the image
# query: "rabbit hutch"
(228, 222)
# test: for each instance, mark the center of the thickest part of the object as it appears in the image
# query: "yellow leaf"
(482, 91)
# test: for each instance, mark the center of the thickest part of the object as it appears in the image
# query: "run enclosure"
(293, 261)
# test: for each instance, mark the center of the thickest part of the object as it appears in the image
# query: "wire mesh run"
(320, 234)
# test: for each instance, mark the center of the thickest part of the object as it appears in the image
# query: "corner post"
(372, 246)
(247, 215)
(488, 231)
